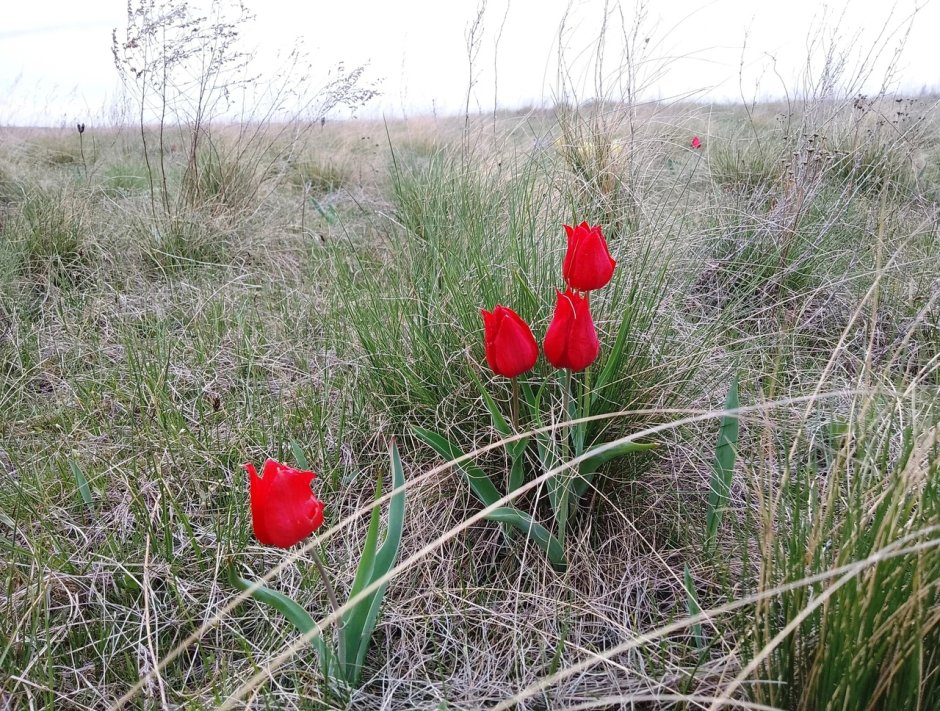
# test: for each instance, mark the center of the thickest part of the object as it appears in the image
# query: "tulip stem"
(585, 404)
(334, 603)
(567, 399)
(514, 405)
(565, 477)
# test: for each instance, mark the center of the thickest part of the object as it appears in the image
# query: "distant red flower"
(588, 264)
(571, 340)
(510, 347)
(696, 143)
(284, 510)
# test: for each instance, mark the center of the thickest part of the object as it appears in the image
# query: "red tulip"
(696, 143)
(571, 341)
(284, 510)
(587, 263)
(508, 341)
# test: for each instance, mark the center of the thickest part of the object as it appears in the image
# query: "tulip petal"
(257, 493)
(571, 340)
(587, 264)
(508, 342)
(284, 510)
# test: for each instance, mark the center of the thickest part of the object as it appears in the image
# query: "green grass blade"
(544, 441)
(500, 424)
(532, 399)
(82, 483)
(534, 531)
(481, 484)
(299, 456)
(613, 363)
(723, 467)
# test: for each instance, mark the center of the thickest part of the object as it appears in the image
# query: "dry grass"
(179, 348)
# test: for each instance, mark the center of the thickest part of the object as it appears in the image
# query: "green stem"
(334, 603)
(585, 407)
(578, 437)
(564, 478)
(517, 449)
(514, 405)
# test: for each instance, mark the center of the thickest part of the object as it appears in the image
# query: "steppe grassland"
(325, 289)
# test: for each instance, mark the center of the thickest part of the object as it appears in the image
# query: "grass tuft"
(320, 177)
(48, 235)
(183, 243)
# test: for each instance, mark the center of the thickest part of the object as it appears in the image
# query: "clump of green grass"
(62, 150)
(49, 234)
(875, 151)
(470, 240)
(8, 188)
(125, 179)
(222, 182)
(864, 487)
(320, 177)
(183, 242)
(602, 150)
(421, 146)
(871, 165)
(746, 166)
(62, 154)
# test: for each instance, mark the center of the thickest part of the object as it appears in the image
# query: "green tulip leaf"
(534, 531)
(354, 620)
(384, 561)
(517, 469)
(295, 614)
(592, 463)
(517, 448)
(481, 484)
(722, 467)
(693, 608)
(81, 482)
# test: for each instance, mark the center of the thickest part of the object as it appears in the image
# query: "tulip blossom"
(696, 143)
(510, 347)
(587, 264)
(571, 341)
(284, 510)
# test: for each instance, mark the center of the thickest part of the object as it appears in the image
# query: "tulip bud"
(587, 264)
(284, 510)
(510, 347)
(571, 340)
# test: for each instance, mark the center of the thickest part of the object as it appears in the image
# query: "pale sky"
(56, 65)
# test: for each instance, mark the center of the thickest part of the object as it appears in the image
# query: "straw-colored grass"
(333, 301)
